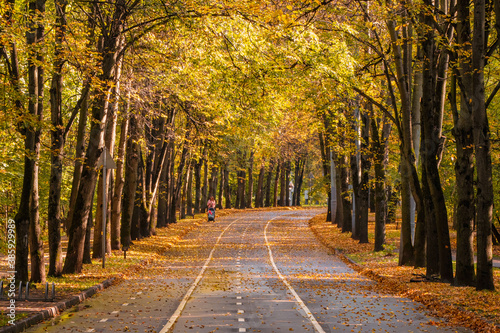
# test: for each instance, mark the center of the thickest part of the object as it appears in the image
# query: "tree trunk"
(268, 184)
(406, 252)
(57, 146)
(287, 182)
(197, 182)
(227, 189)
(346, 197)
(365, 178)
(260, 185)
(178, 184)
(482, 148)
(431, 115)
(116, 204)
(325, 152)
(204, 191)
(131, 163)
(380, 199)
(276, 180)
(464, 142)
(35, 108)
(221, 188)
(87, 247)
(283, 184)
(250, 182)
(189, 190)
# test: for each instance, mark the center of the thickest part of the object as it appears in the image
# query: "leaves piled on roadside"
(460, 306)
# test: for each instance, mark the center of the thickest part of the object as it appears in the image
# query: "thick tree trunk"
(482, 148)
(406, 252)
(35, 108)
(431, 115)
(464, 141)
(57, 146)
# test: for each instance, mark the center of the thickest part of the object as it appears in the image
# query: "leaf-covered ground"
(462, 306)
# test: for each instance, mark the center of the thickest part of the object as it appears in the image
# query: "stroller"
(211, 214)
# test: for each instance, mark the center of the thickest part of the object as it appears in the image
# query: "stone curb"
(53, 311)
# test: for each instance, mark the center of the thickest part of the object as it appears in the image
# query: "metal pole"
(104, 209)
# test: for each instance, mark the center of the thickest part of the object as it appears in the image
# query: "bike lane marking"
(308, 313)
(184, 301)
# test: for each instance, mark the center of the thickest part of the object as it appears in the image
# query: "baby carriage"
(211, 214)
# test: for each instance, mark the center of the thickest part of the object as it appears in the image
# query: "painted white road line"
(103, 320)
(242, 329)
(183, 303)
(124, 304)
(241, 320)
(115, 312)
(299, 301)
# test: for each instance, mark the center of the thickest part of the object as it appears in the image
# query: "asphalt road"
(258, 271)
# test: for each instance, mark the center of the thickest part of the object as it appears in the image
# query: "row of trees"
(426, 67)
(237, 101)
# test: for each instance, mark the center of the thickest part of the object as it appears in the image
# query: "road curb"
(55, 310)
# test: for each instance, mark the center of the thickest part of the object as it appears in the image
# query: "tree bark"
(276, 180)
(227, 189)
(57, 145)
(260, 184)
(35, 108)
(268, 184)
(482, 148)
(116, 204)
(130, 184)
(250, 181)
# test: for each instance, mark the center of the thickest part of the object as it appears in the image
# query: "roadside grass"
(461, 306)
(4, 320)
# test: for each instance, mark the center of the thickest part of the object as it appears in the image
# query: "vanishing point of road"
(255, 271)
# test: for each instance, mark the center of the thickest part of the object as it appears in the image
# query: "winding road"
(256, 271)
